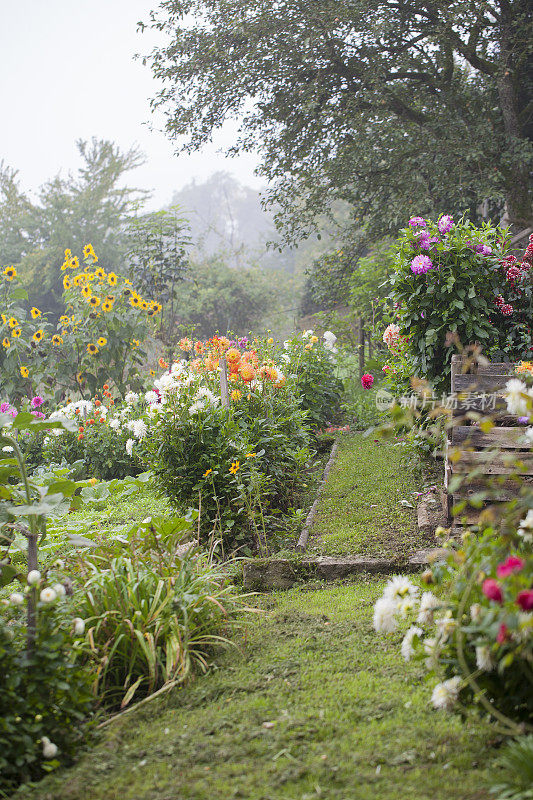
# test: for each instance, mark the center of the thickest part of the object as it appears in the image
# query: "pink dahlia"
(525, 599)
(367, 380)
(421, 264)
(415, 221)
(36, 402)
(445, 224)
(510, 565)
(4, 407)
(492, 589)
(503, 634)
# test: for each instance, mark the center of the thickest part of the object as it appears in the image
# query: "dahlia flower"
(445, 224)
(416, 221)
(446, 694)
(421, 264)
(391, 335)
(407, 643)
(384, 619)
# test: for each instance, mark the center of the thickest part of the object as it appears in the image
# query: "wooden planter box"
(482, 391)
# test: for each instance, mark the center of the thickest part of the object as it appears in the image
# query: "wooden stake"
(361, 348)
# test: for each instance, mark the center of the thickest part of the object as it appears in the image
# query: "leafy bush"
(316, 382)
(155, 612)
(513, 779)
(241, 464)
(45, 692)
(456, 278)
(101, 448)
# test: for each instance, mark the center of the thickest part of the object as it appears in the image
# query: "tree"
(219, 298)
(395, 106)
(157, 253)
(88, 207)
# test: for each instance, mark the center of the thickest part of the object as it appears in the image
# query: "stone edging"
(304, 536)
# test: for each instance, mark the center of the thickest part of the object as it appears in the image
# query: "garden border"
(301, 544)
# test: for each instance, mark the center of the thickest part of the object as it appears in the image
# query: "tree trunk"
(519, 207)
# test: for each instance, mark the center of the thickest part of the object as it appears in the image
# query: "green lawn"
(361, 511)
(313, 704)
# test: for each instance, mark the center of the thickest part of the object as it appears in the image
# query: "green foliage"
(102, 450)
(192, 458)
(45, 694)
(157, 254)
(155, 611)
(218, 298)
(457, 295)
(393, 108)
(317, 385)
(513, 777)
(26, 503)
(89, 206)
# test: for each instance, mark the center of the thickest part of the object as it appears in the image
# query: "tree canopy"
(91, 205)
(395, 106)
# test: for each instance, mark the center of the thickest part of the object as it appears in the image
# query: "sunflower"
(112, 279)
(126, 292)
(4, 318)
(79, 376)
(152, 373)
(94, 301)
(24, 371)
(92, 349)
(135, 343)
(157, 307)
(12, 322)
(16, 333)
(102, 341)
(107, 306)
(57, 339)
(88, 250)
(135, 301)
(6, 343)
(86, 292)
(110, 298)
(235, 467)
(64, 320)
(74, 263)
(99, 272)
(79, 279)
(144, 305)
(10, 273)
(35, 313)
(66, 282)
(151, 312)
(68, 254)
(38, 335)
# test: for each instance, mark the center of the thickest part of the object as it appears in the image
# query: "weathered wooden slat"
(500, 488)
(505, 438)
(480, 382)
(492, 405)
(493, 464)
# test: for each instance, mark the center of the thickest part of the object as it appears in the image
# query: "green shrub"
(513, 778)
(241, 465)
(456, 281)
(45, 692)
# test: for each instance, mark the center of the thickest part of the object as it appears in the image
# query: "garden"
(151, 481)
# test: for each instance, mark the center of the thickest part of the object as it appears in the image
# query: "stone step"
(281, 573)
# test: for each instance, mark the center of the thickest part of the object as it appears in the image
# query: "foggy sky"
(67, 72)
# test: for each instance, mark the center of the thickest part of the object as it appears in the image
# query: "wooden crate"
(493, 453)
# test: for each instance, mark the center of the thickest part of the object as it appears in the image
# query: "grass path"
(313, 704)
(361, 510)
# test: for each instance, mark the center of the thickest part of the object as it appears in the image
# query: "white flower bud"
(49, 748)
(34, 576)
(59, 589)
(16, 598)
(79, 626)
(47, 595)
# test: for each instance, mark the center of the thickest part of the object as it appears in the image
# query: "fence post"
(224, 394)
